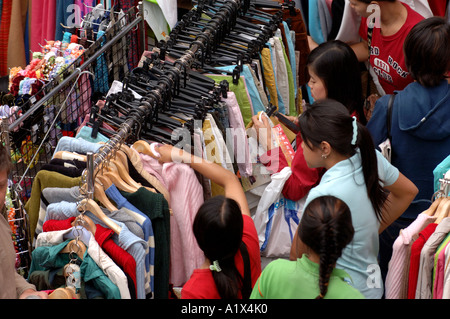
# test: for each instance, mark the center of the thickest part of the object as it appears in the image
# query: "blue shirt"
(345, 180)
(113, 193)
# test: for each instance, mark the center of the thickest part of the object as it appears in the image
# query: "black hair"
(328, 120)
(218, 228)
(326, 227)
(428, 40)
(336, 64)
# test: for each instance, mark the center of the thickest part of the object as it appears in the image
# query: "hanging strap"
(369, 43)
(389, 115)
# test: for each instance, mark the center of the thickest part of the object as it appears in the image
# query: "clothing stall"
(418, 268)
(103, 217)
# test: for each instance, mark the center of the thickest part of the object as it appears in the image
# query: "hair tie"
(215, 266)
(355, 131)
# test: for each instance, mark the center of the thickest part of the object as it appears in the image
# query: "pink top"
(397, 276)
(438, 288)
(186, 197)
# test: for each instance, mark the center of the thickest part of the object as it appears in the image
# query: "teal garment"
(241, 95)
(291, 52)
(50, 258)
(441, 169)
(85, 134)
(257, 103)
(299, 279)
(314, 27)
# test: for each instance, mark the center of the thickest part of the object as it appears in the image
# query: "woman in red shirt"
(224, 231)
(334, 73)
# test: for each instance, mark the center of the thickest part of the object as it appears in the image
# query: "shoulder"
(251, 241)
(199, 286)
(413, 16)
(277, 268)
(387, 172)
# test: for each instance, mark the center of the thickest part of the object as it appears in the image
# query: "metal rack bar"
(74, 74)
(145, 107)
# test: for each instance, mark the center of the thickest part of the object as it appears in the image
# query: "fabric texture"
(414, 261)
(396, 283)
(285, 279)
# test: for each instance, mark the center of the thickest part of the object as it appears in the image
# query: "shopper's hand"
(263, 130)
(31, 292)
(293, 119)
(168, 153)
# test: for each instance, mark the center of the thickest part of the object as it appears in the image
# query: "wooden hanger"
(100, 195)
(66, 155)
(86, 222)
(75, 246)
(91, 206)
(125, 175)
(111, 171)
(433, 207)
(122, 157)
(443, 210)
(63, 293)
(143, 147)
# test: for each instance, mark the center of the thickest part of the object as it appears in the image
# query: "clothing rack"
(31, 135)
(67, 94)
(155, 96)
(74, 74)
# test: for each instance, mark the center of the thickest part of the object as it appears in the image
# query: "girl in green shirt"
(325, 229)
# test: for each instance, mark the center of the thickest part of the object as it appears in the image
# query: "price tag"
(73, 276)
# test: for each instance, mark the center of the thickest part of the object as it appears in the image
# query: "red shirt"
(302, 179)
(387, 58)
(201, 284)
(414, 261)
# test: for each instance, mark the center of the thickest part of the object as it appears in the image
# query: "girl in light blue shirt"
(375, 191)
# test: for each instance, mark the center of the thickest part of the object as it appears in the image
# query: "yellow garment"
(269, 76)
(212, 154)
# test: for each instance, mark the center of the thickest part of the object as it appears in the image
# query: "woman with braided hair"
(325, 229)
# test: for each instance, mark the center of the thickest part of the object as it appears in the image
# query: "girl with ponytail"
(224, 231)
(324, 230)
(374, 190)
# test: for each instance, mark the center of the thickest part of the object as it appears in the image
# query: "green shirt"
(285, 279)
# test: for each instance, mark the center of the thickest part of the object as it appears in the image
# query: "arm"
(311, 43)
(361, 50)
(402, 193)
(216, 173)
(303, 178)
